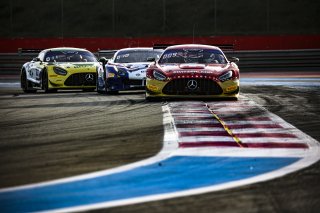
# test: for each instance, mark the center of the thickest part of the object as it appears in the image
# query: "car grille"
(81, 79)
(180, 87)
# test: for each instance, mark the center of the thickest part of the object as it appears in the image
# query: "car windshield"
(69, 56)
(132, 56)
(196, 55)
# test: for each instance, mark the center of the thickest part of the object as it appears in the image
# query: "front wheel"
(88, 90)
(108, 91)
(45, 83)
(151, 99)
(25, 84)
(112, 92)
(97, 85)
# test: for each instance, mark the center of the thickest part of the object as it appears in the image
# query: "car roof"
(189, 46)
(137, 48)
(65, 48)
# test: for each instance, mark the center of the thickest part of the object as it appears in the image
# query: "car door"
(34, 70)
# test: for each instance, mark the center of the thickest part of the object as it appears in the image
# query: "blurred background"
(160, 20)
(288, 28)
(140, 18)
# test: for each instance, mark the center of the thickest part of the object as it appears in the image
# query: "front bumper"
(81, 80)
(118, 84)
(206, 89)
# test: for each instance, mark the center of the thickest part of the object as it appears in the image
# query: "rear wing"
(22, 51)
(224, 47)
(162, 46)
(106, 53)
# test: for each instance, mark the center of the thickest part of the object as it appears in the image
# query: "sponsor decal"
(153, 88)
(231, 88)
(192, 72)
(82, 65)
(111, 75)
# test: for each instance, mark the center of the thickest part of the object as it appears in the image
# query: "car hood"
(131, 67)
(194, 69)
(80, 66)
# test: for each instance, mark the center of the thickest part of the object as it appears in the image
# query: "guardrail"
(250, 61)
(277, 60)
(11, 63)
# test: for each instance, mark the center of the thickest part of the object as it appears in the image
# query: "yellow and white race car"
(60, 68)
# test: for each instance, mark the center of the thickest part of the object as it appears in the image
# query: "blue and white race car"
(126, 70)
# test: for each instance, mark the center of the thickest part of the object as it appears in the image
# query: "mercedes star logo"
(192, 84)
(89, 77)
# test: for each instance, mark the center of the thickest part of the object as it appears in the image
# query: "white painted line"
(196, 121)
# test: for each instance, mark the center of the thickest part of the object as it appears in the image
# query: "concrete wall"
(142, 18)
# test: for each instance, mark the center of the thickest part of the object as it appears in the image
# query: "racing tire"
(100, 92)
(45, 83)
(97, 86)
(25, 84)
(112, 92)
(151, 99)
(88, 90)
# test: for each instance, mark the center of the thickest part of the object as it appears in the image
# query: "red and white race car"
(193, 71)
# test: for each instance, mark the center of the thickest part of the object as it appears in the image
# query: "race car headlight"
(60, 71)
(122, 72)
(159, 76)
(226, 76)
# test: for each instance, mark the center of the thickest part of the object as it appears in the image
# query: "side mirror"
(103, 60)
(151, 59)
(234, 59)
(36, 59)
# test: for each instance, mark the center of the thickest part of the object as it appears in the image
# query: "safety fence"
(278, 60)
(250, 61)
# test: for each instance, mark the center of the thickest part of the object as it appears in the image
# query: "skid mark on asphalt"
(207, 147)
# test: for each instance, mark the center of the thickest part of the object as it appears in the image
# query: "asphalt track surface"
(50, 136)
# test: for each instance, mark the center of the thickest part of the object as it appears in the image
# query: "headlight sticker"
(226, 76)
